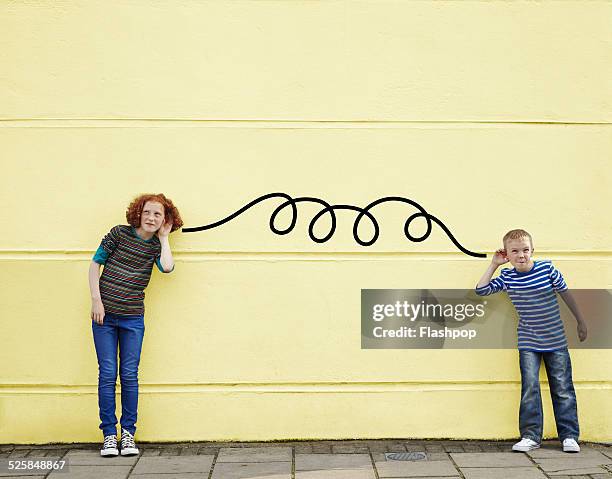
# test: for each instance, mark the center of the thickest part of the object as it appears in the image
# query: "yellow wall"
(492, 115)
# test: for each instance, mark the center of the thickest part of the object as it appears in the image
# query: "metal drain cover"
(406, 456)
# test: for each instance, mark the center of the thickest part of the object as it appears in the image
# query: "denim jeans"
(127, 332)
(559, 372)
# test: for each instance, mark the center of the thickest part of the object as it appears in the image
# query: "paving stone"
(438, 456)
(574, 461)
(436, 447)
(189, 451)
(321, 449)
(303, 449)
(491, 448)
(210, 451)
(183, 475)
(453, 449)
(93, 472)
(416, 469)
(43, 456)
(471, 448)
(502, 473)
(6, 472)
(557, 452)
(336, 474)
(151, 452)
(430, 456)
(350, 449)
(26, 474)
(19, 453)
(252, 470)
(374, 448)
(395, 448)
(255, 454)
(415, 447)
(56, 454)
(576, 472)
(169, 452)
(173, 464)
(313, 462)
(490, 459)
(92, 458)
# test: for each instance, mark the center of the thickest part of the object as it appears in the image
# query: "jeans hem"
(532, 438)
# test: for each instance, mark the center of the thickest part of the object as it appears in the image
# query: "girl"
(117, 311)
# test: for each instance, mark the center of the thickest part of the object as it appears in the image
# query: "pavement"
(358, 459)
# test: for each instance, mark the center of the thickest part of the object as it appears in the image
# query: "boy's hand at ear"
(499, 257)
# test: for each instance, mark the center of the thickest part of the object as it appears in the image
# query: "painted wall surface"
(492, 115)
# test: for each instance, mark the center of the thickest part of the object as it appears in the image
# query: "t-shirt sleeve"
(111, 240)
(556, 279)
(107, 246)
(495, 286)
(101, 256)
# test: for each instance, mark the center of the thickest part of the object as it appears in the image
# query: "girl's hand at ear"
(164, 230)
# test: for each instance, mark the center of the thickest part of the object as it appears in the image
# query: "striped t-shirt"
(533, 295)
(128, 261)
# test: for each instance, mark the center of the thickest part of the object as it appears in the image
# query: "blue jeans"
(127, 332)
(559, 372)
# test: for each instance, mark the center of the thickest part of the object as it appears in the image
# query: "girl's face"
(152, 216)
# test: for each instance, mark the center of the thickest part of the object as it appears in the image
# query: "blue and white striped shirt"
(533, 295)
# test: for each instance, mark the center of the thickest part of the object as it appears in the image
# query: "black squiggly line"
(329, 209)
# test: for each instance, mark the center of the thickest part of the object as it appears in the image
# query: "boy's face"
(152, 216)
(518, 252)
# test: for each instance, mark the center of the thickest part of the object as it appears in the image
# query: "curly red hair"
(171, 213)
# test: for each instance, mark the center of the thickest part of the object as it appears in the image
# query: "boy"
(531, 286)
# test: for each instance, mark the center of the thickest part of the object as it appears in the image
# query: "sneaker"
(525, 445)
(109, 448)
(570, 445)
(128, 446)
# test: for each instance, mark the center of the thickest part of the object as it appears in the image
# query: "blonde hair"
(517, 234)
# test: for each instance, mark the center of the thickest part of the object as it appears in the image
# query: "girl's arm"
(97, 308)
(165, 258)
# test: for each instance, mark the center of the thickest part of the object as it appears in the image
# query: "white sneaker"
(109, 448)
(128, 446)
(570, 445)
(525, 445)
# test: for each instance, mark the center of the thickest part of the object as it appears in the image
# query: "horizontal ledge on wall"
(365, 255)
(279, 124)
(295, 388)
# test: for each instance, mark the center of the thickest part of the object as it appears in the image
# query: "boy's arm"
(97, 308)
(486, 277)
(484, 286)
(573, 307)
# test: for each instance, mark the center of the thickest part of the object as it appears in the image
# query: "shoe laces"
(110, 442)
(127, 440)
